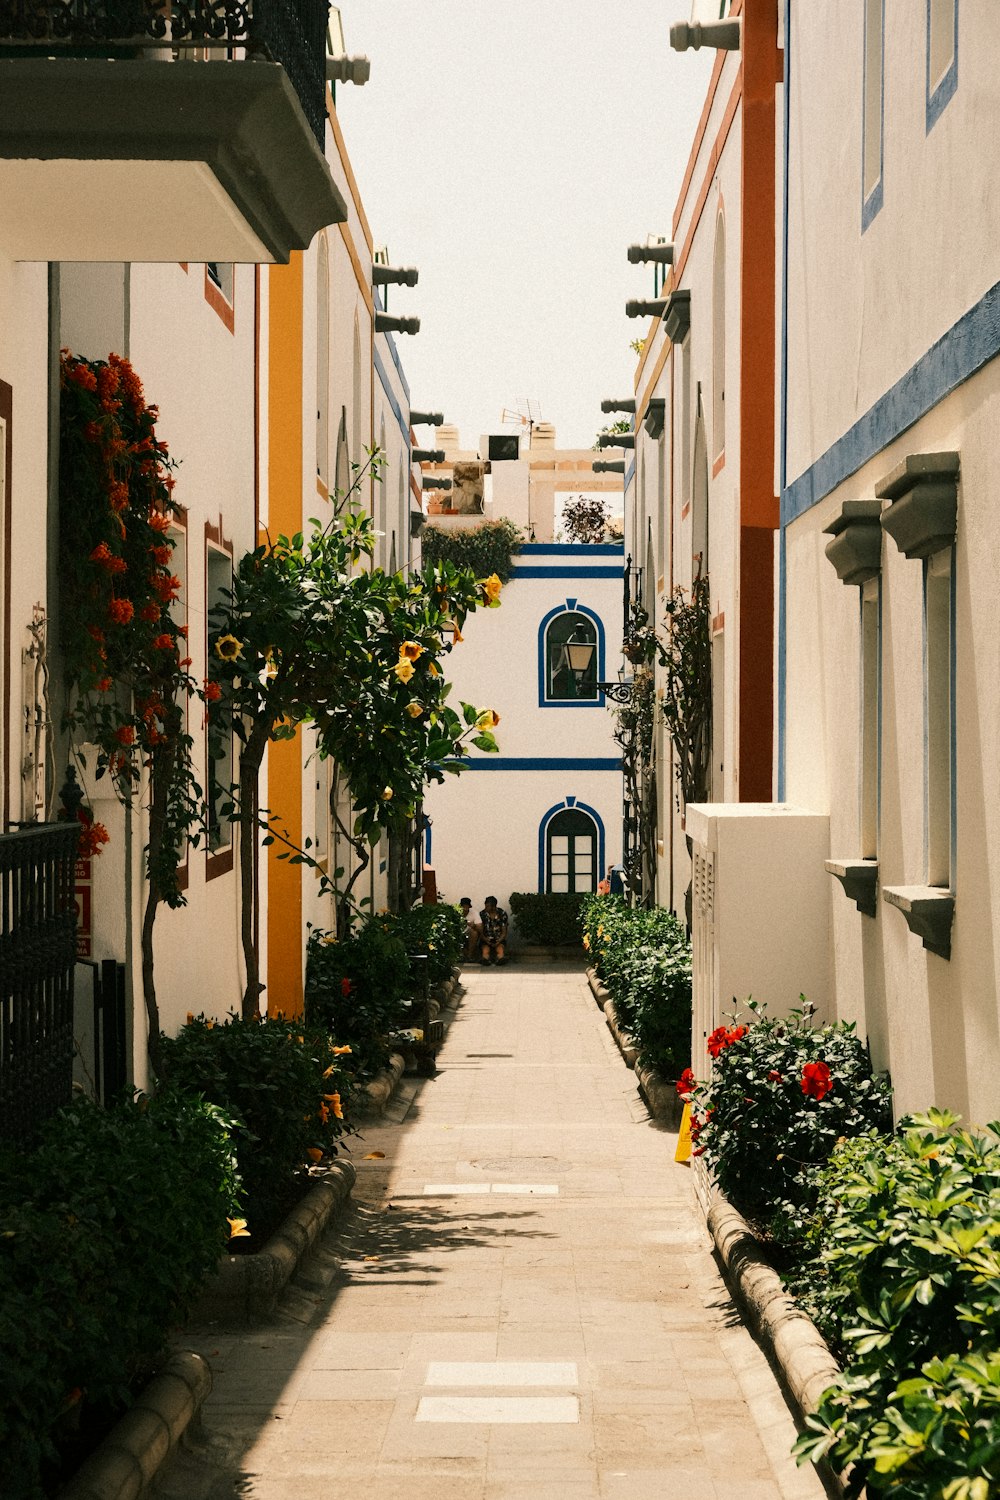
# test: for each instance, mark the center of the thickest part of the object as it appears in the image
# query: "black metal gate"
(101, 1039)
(37, 958)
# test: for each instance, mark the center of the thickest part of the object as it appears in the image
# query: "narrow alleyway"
(520, 1304)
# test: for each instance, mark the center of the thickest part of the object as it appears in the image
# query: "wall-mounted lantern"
(578, 656)
(693, 35)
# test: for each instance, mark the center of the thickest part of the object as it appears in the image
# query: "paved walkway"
(520, 1306)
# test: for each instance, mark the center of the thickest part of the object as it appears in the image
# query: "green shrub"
(356, 988)
(781, 1095)
(107, 1231)
(644, 959)
(281, 1081)
(487, 548)
(438, 932)
(548, 918)
(907, 1262)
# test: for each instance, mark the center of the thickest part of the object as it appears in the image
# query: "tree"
(586, 518)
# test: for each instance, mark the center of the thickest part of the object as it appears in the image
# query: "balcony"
(159, 130)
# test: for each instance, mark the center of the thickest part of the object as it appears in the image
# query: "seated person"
(493, 920)
(473, 930)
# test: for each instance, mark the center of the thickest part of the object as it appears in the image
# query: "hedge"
(551, 920)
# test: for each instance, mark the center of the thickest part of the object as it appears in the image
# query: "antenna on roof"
(526, 414)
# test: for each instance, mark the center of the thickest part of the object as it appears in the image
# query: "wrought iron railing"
(37, 958)
(289, 32)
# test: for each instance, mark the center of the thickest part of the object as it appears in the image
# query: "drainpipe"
(783, 434)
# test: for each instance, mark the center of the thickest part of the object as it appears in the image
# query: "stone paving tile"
(612, 1274)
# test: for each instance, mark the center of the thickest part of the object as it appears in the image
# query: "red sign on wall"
(81, 899)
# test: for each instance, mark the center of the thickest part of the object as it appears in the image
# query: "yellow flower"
(323, 1113)
(300, 1039)
(314, 1153)
(410, 651)
(228, 648)
(341, 1051)
(387, 794)
(586, 941)
(414, 710)
(488, 719)
(210, 1025)
(434, 669)
(238, 1229)
(457, 635)
(403, 669)
(492, 587)
(190, 1017)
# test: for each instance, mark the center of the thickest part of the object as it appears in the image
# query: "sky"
(512, 152)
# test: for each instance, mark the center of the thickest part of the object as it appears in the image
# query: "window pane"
(560, 844)
(582, 844)
(560, 883)
(560, 862)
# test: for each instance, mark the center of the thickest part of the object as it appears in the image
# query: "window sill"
(859, 877)
(929, 911)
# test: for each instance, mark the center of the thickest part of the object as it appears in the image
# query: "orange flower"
(150, 612)
(314, 1153)
(121, 611)
(334, 1100)
(118, 496)
(125, 734)
(83, 376)
(211, 691)
(163, 642)
(159, 522)
(182, 630)
(162, 553)
(105, 685)
(410, 651)
(323, 1113)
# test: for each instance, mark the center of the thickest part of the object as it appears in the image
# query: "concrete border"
(247, 1287)
(125, 1464)
(626, 1044)
(778, 1323)
(659, 1093)
(383, 1086)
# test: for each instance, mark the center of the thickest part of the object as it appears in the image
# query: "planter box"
(247, 1287)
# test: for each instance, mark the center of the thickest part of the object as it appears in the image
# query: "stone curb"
(384, 1085)
(246, 1287)
(776, 1320)
(124, 1465)
(626, 1044)
(660, 1095)
(597, 989)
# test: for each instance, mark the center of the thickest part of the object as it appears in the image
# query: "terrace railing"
(289, 32)
(37, 959)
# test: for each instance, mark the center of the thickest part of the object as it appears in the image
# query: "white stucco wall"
(485, 823)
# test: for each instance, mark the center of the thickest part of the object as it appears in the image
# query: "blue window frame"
(558, 687)
(873, 112)
(571, 847)
(942, 57)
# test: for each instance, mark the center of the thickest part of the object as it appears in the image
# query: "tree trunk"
(251, 760)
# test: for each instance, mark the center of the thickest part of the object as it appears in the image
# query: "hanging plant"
(125, 656)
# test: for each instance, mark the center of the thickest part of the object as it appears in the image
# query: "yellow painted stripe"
(284, 760)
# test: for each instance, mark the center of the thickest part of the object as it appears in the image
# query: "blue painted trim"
(540, 763)
(878, 749)
(390, 344)
(783, 418)
(572, 549)
(428, 840)
(629, 475)
(517, 572)
(572, 606)
(953, 726)
(390, 396)
(958, 354)
(871, 205)
(938, 98)
(570, 804)
(382, 867)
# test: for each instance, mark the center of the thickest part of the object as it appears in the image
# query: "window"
(699, 495)
(718, 764)
(220, 290)
(323, 364)
(357, 433)
(871, 703)
(686, 424)
(562, 684)
(218, 582)
(872, 111)
(942, 56)
(571, 852)
(342, 470)
(939, 728)
(719, 344)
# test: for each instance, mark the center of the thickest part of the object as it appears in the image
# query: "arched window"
(357, 426)
(565, 682)
(699, 496)
(342, 472)
(323, 362)
(571, 852)
(719, 341)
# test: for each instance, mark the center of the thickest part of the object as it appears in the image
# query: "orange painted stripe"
(680, 259)
(284, 757)
(352, 182)
(364, 282)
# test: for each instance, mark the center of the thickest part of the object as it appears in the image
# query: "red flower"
(108, 381)
(345, 987)
(162, 553)
(774, 1076)
(150, 612)
(92, 837)
(212, 691)
(159, 522)
(121, 611)
(104, 685)
(163, 642)
(182, 630)
(125, 734)
(723, 1037)
(118, 496)
(686, 1083)
(816, 1081)
(84, 376)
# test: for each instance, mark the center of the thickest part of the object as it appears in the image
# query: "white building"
(545, 814)
(889, 663)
